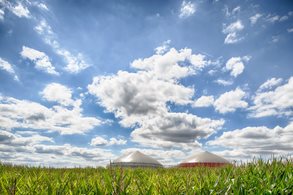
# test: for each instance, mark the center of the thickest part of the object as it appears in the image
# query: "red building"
(205, 159)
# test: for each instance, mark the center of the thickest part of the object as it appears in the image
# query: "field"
(260, 177)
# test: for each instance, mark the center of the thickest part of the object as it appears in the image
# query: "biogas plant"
(138, 159)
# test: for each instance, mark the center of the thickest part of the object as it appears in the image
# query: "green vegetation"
(255, 178)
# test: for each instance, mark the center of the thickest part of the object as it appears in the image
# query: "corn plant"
(259, 177)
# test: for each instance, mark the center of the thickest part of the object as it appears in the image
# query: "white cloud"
(39, 4)
(272, 19)
(275, 39)
(232, 31)
(204, 101)
(198, 61)
(236, 65)
(290, 30)
(100, 141)
(174, 130)
(236, 155)
(58, 93)
(43, 6)
(75, 63)
(256, 141)
(277, 102)
(115, 141)
(72, 156)
(187, 9)
(167, 65)
(138, 94)
(139, 100)
(223, 82)
(276, 18)
(163, 48)
(6, 66)
(40, 59)
(270, 83)
(31, 150)
(230, 101)
(284, 18)
(15, 113)
(234, 27)
(20, 10)
(232, 38)
(255, 18)
(2, 13)
(236, 10)
(212, 72)
(10, 139)
(233, 12)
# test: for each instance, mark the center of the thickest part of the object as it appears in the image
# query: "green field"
(259, 177)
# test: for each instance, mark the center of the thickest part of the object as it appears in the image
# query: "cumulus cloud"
(137, 94)
(20, 10)
(232, 32)
(100, 141)
(163, 48)
(32, 149)
(41, 60)
(6, 66)
(223, 82)
(73, 151)
(276, 102)
(58, 93)
(187, 9)
(10, 139)
(139, 99)
(75, 63)
(226, 102)
(15, 113)
(270, 83)
(255, 18)
(204, 101)
(256, 141)
(230, 101)
(175, 130)
(236, 65)
(167, 65)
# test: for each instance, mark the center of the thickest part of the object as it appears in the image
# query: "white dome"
(205, 157)
(136, 159)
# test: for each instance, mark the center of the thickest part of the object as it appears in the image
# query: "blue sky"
(84, 82)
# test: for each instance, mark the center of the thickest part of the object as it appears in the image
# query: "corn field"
(259, 177)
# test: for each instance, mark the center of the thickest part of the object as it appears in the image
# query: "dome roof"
(205, 157)
(136, 159)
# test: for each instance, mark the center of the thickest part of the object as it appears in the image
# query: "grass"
(259, 177)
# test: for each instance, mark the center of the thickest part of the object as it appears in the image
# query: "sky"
(83, 82)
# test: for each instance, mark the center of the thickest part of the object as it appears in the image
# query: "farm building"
(206, 159)
(136, 159)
